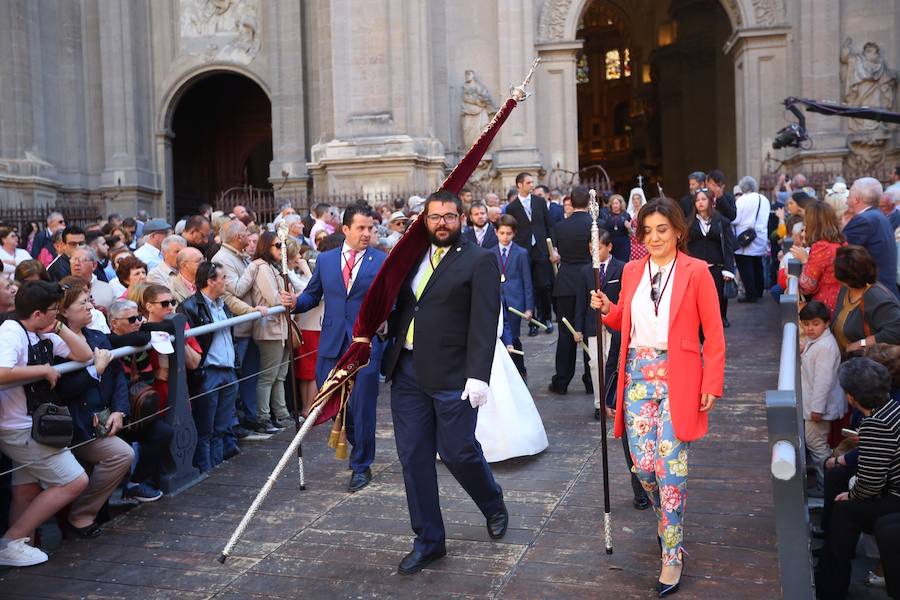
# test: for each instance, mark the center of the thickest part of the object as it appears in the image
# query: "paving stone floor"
(325, 543)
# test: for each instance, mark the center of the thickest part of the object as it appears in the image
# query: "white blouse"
(649, 330)
(11, 261)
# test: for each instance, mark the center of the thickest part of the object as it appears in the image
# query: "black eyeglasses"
(448, 218)
(165, 303)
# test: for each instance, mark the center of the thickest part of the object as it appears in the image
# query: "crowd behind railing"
(73, 293)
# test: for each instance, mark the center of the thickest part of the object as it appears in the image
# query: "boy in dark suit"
(515, 282)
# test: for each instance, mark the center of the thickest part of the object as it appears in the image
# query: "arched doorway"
(222, 138)
(655, 91)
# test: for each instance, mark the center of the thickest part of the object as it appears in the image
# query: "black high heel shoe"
(667, 589)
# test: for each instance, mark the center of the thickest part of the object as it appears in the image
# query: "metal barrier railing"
(784, 417)
(179, 473)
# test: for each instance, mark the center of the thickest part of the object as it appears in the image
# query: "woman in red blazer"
(665, 299)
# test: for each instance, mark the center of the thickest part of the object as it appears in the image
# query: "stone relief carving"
(866, 81)
(477, 109)
(768, 12)
(221, 30)
(552, 27)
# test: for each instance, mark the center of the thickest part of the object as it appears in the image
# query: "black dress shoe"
(497, 524)
(549, 328)
(359, 480)
(532, 330)
(231, 453)
(415, 561)
(725, 322)
(555, 390)
(667, 589)
(597, 416)
(589, 388)
(642, 503)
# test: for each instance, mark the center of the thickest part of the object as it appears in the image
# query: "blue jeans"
(248, 356)
(213, 415)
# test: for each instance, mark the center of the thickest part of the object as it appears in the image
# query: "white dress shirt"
(526, 204)
(345, 258)
(649, 330)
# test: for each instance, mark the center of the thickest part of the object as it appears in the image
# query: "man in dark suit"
(515, 283)
(73, 239)
(343, 276)
(573, 236)
(725, 202)
(480, 231)
(532, 216)
(443, 334)
(554, 208)
(870, 229)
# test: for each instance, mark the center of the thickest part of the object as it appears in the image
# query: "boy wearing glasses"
(27, 346)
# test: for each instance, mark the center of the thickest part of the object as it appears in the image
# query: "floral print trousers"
(660, 458)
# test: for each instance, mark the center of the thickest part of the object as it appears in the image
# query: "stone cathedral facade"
(159, 104)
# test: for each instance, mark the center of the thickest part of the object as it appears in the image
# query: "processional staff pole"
(598, 284)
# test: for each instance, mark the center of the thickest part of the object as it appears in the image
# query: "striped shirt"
(879, 454)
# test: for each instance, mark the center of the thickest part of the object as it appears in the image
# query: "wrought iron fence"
(75, 214)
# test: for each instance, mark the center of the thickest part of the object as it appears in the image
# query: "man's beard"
(451, 239)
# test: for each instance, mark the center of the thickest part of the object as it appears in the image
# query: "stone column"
(760, 79)
(556, 100)
(129, 178)
(517, 149)
(288, 118)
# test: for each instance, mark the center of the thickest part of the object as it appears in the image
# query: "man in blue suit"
(870, 229)
(480, 231)
(515, 282)
(343, 276)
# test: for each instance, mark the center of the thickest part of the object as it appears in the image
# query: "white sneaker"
(19, 554)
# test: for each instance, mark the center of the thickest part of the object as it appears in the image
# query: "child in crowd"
(515, 282)
(823, 399)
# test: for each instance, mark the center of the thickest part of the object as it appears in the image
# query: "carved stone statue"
(867, 82)
(477, 108)
(221, 30)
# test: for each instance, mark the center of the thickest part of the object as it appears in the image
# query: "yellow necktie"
(429, 271)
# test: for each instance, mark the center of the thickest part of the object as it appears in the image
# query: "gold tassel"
(335, 434)
(341, 453)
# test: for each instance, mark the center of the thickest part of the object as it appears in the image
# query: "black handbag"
(51, 422)
(746, 237)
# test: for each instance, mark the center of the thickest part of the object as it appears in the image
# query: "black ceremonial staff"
(598, 284)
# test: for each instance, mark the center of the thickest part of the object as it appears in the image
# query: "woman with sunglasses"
(97, 398)
(710, 239)
(11, 256)
(270, 334)
(665, 299)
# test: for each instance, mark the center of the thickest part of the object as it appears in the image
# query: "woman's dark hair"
(128, 264)
(671, 211)
(867, 381)
(855, 267)
(710, 200)
(73, 287)
(5, 232)
(31, 268)
(821, 223)
(264, 246)
(205, 271)
(332, 241)
(438, 196)
(889, 356)
(37, 295)
(815, 310)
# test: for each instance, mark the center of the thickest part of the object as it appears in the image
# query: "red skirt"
(308, 352)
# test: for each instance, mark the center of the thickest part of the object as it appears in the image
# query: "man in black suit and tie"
(533, 217)
(443, 333)
(480, 230)
(573, 236)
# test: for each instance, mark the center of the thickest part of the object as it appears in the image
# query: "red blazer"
(694, 303)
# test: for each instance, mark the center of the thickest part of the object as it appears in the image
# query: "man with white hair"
(870, 229)
(84, 261)
(161, 273)
(295, 229)
(888, 206)
(750, 227)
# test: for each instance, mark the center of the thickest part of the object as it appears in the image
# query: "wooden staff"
(550, 251)
(531, 320)
(598, 284)
(571, 329)
(283, 237)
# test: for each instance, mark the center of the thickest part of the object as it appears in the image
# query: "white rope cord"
(156, 414)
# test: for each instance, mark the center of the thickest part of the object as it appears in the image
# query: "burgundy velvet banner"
(383, 293)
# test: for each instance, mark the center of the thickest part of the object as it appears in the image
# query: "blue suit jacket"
(517, 290)
(490, 236)
(872, 230)
(341, 307)
(557, 213)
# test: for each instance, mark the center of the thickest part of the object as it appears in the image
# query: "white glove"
(727, 274)
(477, 391)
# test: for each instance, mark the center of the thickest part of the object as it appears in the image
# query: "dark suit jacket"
(490, 236)
(59, 268)
(537, 226)
(573, 236)
(585, 316)
(556, 212)
(872, 230)
(727, 206)
(456, 320)
(517, 290)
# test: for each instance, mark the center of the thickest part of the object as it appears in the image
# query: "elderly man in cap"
(396, 225)
(155, 231)
(168, 266)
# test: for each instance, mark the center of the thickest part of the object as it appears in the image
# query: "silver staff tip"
(222, 558)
